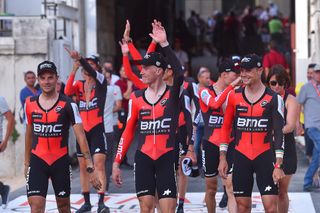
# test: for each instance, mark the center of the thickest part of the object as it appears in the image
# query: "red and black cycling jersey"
(212, 112)
(91, 112)
(257, 125)
(155, 124)
(51, 127)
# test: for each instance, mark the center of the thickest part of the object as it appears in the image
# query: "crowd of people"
(237, 126)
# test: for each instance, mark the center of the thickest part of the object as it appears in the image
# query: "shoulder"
(291, 99)
(66, 99)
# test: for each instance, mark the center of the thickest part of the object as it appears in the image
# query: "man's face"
(204, 79)
(250, 76)
(108, 67)
(30, 79)
(48, 81)
(310, 73)
(316, 76)
(150, 73)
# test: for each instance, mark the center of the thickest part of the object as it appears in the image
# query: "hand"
(159, 34)
(124, 47)
(94, 180)
(223, 168)
(277, 175)
(116, 175)
(236, 82)
(126, 33)
(3, 146)
(76, 65)
(73, 54)
(26, 170)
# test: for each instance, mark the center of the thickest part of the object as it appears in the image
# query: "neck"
(49, 95)
(282, 92)
(157, 85)
(253, 88)
(30, 87)
(316, 82)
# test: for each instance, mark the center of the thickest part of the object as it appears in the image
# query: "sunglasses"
(274, 83)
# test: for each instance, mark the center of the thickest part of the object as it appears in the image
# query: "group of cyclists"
(248, 129)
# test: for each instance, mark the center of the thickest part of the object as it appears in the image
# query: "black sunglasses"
(274, 83)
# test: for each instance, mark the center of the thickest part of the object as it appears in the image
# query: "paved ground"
(195, 184)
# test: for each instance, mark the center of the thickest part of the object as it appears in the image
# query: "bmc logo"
(252, 122)
(215, 119)
(47, 128)
(159, 124)
(92, 104)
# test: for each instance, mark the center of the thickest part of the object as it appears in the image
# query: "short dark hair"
(311, 66)
(281, 75)
(28, 72)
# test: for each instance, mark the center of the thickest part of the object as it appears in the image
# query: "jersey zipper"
(251, 123)
(47, 124)
(154, 125)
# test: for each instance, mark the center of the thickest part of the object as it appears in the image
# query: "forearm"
(70, 88)
(28, 141)
(10, 126)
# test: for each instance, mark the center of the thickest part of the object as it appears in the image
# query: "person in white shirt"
(109, 73)
(110, 118)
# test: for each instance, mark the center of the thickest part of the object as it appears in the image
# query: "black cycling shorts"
(210, 158)
(39, 172)
(230, 157)
(155, 175)
(181, 146)
(96, 140)
(243, 169)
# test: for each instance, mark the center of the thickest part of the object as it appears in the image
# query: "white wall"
(23, 51)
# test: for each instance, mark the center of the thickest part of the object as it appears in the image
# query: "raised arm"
(127, 67)
(71, 86)
(159, 35)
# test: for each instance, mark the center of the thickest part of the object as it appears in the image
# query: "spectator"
(273, 57)
(5, 112)
(180, 53)
(109, 72)
(110, 116)
(308, 141)
(309, 98)
(29, 89)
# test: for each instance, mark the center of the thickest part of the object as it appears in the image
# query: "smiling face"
(48, 82)
(151, 73)
(251, 76)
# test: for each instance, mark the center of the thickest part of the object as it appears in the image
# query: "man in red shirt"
(273, 57)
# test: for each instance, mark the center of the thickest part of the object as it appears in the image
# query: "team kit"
(242, 140)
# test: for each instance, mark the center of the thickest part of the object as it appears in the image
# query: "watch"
(90, 169)
(278, 166)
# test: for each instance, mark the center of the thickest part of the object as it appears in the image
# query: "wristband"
(278, 166)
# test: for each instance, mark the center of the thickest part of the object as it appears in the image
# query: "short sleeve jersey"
(51, 127)
(258, 126)
(3, 109)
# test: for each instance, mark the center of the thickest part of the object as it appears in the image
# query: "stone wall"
(27, 47)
